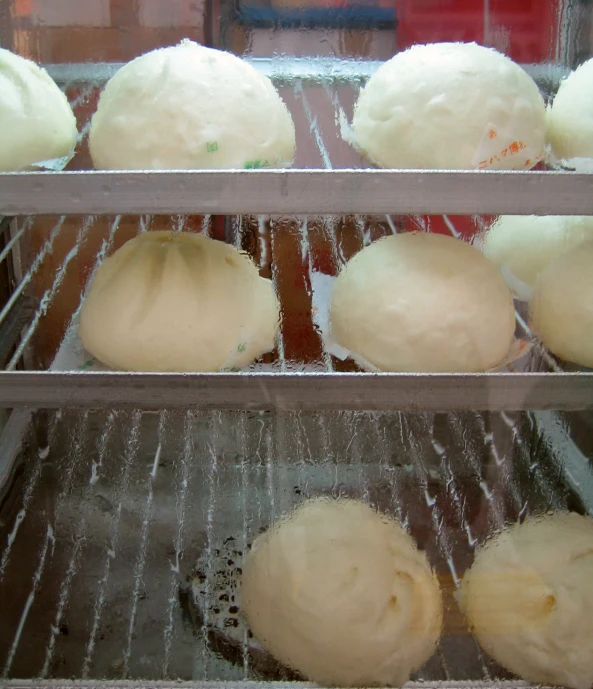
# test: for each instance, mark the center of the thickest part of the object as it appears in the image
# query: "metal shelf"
(296, 192)
(299, 391)
(282, 384)
(115, 514)
(316, 91)
(284, 70)
(151, 684)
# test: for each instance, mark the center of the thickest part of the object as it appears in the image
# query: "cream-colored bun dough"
(342, 595)
(36, 121)
(188, 107)
(561, 308)
(423, 302)
(450, 105)
(169, 301)
(523, 245)
(570, 119)
(529, 599)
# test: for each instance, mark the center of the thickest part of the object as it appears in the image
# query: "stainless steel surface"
(284, 70)
(11, 440)
(297, 192)
(113, 513)
(299, 391)
(123, 684)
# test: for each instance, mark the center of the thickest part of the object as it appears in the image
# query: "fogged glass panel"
(125, 534)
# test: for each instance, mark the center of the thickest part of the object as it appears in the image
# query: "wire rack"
(57, 255)
(57, 258)
(123, 532)
(320, 94)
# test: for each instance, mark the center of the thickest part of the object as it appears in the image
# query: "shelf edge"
(299, 391)
(296, 192)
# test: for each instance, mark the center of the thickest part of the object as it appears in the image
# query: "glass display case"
(130, 499)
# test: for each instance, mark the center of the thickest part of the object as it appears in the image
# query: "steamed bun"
(36, 121)
(342, 595)
(529, 599)
(570, 119)
(189, 107)
(524, 245)
(450, 105)
(171, 301)
(423, 302)
(561, 308)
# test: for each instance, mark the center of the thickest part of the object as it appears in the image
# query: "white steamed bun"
(561, 308)
(450, 105)
(529, 599)
(36, 121)
(423, 302)
(187, 107)
(570, 119)
(523, 245)
(171, 301)
(342, 595)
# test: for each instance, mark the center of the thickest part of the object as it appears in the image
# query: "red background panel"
(523, 29)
